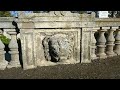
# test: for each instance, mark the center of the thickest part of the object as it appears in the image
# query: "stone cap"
(56, 16)
(6, 22)
(107, 22)
(56, 13)
(6, 19)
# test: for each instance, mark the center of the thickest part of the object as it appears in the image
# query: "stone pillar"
(86, 45)
(110, 42)
(93, 46)
(101, 44)
(13, 45)
(3, 62)
(117, 42)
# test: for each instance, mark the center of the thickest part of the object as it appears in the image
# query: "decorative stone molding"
(58, 47)
(41, 45)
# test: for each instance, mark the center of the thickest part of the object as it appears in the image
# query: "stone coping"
(6, 19)
(107, 19)
(6, 22)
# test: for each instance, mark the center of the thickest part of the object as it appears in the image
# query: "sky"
(15, 13)
(102, 14)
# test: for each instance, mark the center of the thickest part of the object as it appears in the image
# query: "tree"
(5, 14)
(39, 11)
(114, 14)
(81, 12)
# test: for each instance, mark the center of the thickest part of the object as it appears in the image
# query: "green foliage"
(36, 11)
(5, 14)
(114, 14)
(4, 39)
(81, 12)
(40, 11)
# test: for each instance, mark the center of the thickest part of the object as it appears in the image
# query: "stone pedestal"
(13, 45)
(3, 62)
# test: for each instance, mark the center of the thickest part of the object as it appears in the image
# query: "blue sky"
(15, 13)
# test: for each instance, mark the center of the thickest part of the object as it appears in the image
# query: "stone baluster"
(117, 42)
(93, 46)
(101, 43)
(110, 42)
(13, 45)
(3, 62)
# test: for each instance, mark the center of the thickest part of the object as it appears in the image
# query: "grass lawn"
(99, 69)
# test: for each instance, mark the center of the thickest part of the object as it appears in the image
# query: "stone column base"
(111, 54)
(101, 56)
(86, 61)
(13, 64)
(93, 57)
(3, 65)
(117, 52)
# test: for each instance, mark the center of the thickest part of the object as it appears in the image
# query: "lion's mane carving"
(58, 47)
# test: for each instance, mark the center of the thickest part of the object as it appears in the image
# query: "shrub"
(4, 39)
(5, 14)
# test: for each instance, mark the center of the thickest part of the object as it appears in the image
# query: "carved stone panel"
(45, 47)
(58, 46)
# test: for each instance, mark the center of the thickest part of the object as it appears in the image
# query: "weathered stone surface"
(67, 37)
(58, 47)
(86, 45)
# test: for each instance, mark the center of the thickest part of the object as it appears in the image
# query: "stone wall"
(57, 27)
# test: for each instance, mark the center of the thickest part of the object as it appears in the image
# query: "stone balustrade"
(13, 45)
(3, 62)
(117, 42)
(73, 38)
(14, 54)
(106, 45)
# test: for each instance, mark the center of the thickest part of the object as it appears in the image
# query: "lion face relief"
(57, 47)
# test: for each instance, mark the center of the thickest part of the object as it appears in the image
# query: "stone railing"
(59, 38)
(7, 27)
(105, 38)
(94, 37)
(105, 42)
